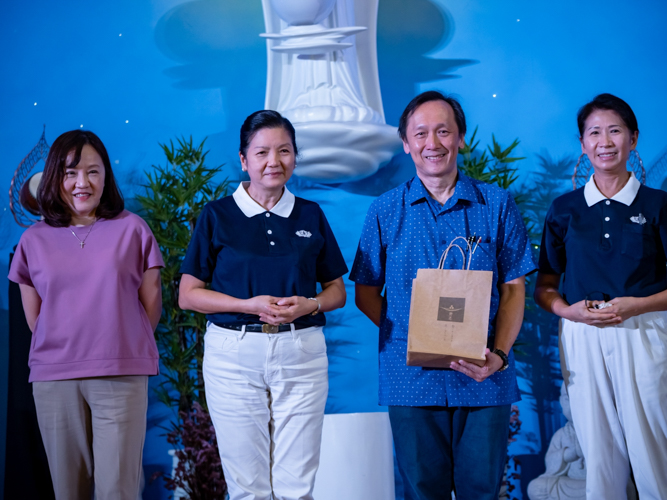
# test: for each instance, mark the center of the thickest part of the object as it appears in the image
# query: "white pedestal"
(356, 462)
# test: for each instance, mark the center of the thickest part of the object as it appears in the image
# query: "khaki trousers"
(93, 431)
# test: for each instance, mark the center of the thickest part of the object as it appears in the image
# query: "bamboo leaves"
(174, 197)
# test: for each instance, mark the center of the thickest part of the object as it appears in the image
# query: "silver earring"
(641, 166)
(574, 175)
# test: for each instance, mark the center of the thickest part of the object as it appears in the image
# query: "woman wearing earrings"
(89, 276)
(608, 243)
(263, 251)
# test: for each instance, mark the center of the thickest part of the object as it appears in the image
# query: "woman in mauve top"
(89, 275)
(263, 251)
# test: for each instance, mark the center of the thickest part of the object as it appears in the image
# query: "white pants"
(617, 383)
(266, 395)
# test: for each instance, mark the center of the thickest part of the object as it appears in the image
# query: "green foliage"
(493, 167)
(538, 349)
(174, 197)
(551, 180)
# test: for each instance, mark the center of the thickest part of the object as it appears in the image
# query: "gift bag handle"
(441, 264)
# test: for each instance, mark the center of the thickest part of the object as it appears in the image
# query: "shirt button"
(606, 202)
(606, 236)
(271, 232)
(607, 219)
(273, 242)
(269, 215)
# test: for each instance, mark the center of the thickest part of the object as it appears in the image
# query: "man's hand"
(479, 373)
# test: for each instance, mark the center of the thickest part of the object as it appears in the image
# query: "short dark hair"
(265, 118)
(55, 211)
(424, 97)
(608, 102)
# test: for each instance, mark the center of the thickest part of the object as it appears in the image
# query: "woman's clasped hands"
(615, 311)
(279, 310)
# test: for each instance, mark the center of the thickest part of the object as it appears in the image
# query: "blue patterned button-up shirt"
(405, 230)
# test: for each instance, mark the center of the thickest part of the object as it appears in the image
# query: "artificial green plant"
(493, 167)
(174, 198)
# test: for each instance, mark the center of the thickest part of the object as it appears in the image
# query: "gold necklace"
(82, 242)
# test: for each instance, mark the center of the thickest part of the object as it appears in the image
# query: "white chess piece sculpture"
(565, 477)
(322, 75)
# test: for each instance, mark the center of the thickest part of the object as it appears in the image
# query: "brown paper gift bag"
(449, 314)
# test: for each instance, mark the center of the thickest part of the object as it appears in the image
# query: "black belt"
(261, 327)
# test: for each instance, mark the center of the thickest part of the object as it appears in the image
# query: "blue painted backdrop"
(140, 73)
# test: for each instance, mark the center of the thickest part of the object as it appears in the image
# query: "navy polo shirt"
(405, 230)
(243, 250)
(607, 248)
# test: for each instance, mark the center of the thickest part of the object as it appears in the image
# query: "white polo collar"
(250, 207)
(626, 195)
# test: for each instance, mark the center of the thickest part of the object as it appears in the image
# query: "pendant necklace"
(82, 242)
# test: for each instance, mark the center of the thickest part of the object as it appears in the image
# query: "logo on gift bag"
(451, 309)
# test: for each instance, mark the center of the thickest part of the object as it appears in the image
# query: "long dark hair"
(55, 211)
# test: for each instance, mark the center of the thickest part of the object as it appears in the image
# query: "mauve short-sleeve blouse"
(91, 322)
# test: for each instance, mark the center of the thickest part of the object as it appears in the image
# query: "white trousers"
(266, 395)
(617, 383)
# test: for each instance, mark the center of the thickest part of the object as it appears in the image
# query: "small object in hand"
(603, 305)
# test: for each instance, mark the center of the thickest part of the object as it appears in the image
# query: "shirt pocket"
(638, 241)
(308, 250)
(484, 256)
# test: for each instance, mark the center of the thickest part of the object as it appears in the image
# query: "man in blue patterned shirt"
(450, 427)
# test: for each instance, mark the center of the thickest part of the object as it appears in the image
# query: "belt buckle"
(266, 328)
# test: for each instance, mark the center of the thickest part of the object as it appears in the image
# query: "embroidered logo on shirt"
(638, 219)
(304, 234)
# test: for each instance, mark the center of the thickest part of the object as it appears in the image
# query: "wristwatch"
(503, 356)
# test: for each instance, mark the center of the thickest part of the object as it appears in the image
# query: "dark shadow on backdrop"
(217, 45)
(26, 468)
(407, 30)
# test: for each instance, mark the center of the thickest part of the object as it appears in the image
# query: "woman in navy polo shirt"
(263, 251)
(608, 241)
